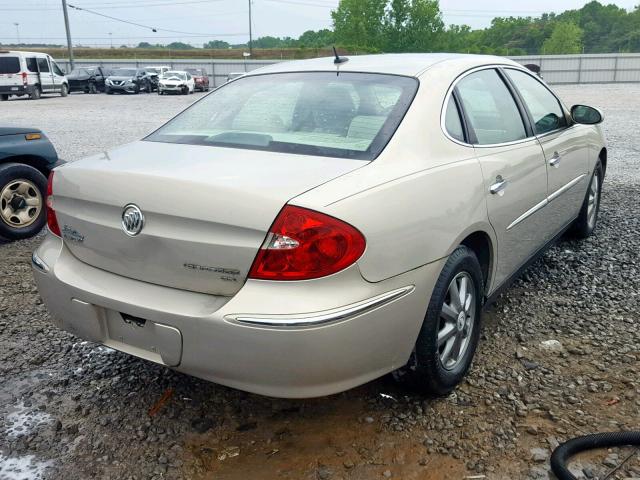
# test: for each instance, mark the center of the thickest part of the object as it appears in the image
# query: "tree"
(360, 23)
(425, 28)
(180, 46)
(216, 44)
(566, 38)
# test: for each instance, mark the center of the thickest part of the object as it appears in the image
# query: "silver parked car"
(314, 225)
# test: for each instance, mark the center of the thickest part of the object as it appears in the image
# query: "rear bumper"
(15, 90)
(347, 334)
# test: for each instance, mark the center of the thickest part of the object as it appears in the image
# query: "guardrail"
(556, 69)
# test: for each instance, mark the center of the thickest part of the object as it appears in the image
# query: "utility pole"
(111, 39)
(17, 31)
(250, 32)
(66, 26)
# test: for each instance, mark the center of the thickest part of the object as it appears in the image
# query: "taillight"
(52, 221)
(24, 78)
(304, 244)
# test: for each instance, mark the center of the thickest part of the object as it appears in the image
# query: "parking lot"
(560, 357)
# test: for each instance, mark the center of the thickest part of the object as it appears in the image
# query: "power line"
(145, 5)
(153, 29)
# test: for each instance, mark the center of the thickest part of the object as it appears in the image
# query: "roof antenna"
(338, 60)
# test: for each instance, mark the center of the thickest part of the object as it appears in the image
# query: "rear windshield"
(9, 65)
(349, 115)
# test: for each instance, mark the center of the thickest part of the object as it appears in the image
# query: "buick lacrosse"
(313, 225)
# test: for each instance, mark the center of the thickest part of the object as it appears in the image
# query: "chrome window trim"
(320, 318)
(528, 213)
(450, 93)
(505, 144)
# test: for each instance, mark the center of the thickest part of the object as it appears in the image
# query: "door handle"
(499, 186)
(555, 160)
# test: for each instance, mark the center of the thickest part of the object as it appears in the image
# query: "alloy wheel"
(593, 200)
(20, 203)
(457, 320)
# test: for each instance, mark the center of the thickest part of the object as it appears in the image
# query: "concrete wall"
(557, 69)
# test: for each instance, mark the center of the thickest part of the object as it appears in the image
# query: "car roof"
(409, 64)
(21, 52)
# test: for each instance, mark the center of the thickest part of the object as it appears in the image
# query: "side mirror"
(586, 115)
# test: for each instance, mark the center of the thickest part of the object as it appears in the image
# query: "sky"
(198, 21)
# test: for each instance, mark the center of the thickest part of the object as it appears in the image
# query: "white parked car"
(312, 226)
(158, 69)
(175, 81)
(30, 73)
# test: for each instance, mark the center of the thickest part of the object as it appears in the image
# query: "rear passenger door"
(513, 166)
(58, 75)
(565, 148)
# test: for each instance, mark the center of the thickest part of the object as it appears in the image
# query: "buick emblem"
(132, 220)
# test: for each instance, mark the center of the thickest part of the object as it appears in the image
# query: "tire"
(4, 98)
(587, 220)
(430, 370)
(185, 91)
(14, 176)
(160, 92)
(64, 90)
(137, 89)
(108, 91)
(36, 93)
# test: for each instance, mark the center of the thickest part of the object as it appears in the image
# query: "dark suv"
(87, 79)
(129, 80)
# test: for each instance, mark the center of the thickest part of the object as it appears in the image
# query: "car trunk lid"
(206, 209)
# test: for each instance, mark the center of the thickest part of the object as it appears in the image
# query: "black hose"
(564, 452)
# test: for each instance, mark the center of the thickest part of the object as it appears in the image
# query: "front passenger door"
(565, 148)
(513, 167)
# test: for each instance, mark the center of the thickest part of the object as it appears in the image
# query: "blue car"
(26, 159)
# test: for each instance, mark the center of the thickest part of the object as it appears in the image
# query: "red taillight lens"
(304, 244)
(24, 78)
(52, 221)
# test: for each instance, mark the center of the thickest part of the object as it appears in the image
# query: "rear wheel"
(587, 220)
(451, 328)
(64, 90)
(35, 93)
(4, 98)
(22, 194)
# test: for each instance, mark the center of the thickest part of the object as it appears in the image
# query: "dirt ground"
(74, 410)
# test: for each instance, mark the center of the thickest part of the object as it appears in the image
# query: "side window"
(490, 108)
(452, 121)
(43, 64)
(56, 69)
(544, 107)
(32, 65)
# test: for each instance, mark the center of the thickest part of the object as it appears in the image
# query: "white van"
(30, 73)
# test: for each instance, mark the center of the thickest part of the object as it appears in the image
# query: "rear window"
(9, 65)
(350, 115)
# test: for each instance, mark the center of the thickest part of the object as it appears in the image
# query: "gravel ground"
(560, 357)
